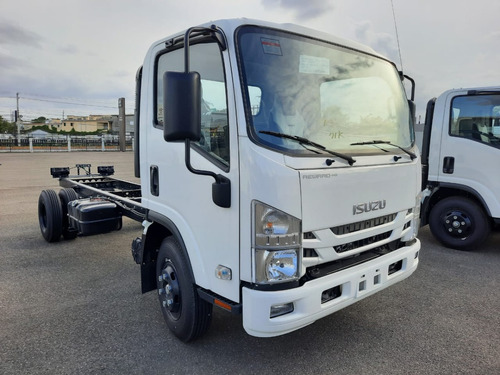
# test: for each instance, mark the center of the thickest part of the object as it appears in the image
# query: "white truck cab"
(460, 157)
(279, 170)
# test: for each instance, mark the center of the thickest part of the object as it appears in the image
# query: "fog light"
(281, 309)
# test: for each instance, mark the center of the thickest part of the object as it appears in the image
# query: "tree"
(7, 127)
(39, 120)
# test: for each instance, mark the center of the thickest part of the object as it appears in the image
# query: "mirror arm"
(186, 44)
(221, 188)
(187, 144)
(412, 84)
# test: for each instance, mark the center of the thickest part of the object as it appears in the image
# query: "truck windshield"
(334, 96)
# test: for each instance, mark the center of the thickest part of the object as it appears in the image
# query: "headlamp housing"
(277, 240)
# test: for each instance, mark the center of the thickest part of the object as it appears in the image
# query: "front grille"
(407, 225)
(361, 225)
(310, 253)
(328, 268)
(309, 236)
(363, 242)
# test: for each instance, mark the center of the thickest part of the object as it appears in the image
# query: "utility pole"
(18, 121)
(121, 123)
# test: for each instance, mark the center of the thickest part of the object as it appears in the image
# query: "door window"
(206, 59)
(477, 118)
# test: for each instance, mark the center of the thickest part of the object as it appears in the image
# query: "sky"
(77, 57)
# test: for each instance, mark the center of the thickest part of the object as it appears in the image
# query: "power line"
(69, 103)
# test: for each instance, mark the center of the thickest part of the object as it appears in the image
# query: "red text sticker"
(271, 46)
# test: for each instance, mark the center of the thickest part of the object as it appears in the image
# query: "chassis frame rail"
(124, 194)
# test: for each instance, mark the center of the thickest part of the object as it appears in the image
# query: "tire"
(459, 223)
(186, 314)
(50, 215)
(65, 196)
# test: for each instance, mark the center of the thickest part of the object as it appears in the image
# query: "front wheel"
(459, 223)
(186, 314)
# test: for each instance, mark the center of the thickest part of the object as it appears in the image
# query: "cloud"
(46, 94)
(69, 49)
(15, 35)
(304, 10)
(9, 62)
(381, 42)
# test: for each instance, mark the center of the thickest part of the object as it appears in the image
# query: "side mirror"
(412, 81)
(413, 111)
(182, 106)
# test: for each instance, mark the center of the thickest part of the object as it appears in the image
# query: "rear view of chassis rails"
(88, 203)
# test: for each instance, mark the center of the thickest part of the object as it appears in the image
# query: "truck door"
(470, 148)
(210, 233)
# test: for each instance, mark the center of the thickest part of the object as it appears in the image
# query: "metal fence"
(63, 144)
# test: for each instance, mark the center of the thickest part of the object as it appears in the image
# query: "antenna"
(397, 34)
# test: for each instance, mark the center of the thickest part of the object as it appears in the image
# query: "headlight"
(276, 244)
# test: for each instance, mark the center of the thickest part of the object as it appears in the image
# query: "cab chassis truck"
(279, 177)
(460, 156)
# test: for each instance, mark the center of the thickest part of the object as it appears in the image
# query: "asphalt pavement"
(75, 307)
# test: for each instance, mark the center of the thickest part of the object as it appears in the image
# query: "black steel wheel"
(186, 314)
(50, 215)
(459, 223)
(67, 195)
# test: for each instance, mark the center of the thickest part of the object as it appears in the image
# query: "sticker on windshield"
(271, 46)
(314, 65)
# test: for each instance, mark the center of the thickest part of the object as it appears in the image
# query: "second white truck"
(460, 157)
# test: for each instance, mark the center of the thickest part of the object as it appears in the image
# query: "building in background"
(104, 123)
(90, 123)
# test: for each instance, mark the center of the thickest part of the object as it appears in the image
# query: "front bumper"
(355, 284)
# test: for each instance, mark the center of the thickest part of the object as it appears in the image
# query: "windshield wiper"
(306, 141)
(377, 142)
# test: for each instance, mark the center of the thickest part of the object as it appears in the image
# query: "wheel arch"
(440, 191)
(161, 228)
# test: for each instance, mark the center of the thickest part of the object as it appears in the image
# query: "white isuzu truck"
(279, 177)
(460, 158)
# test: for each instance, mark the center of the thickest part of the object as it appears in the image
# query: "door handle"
(448, 164)
(154, 180)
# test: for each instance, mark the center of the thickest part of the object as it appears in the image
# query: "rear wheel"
(50, 215)
(67, 195)
(186, 314)
(459, 223)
